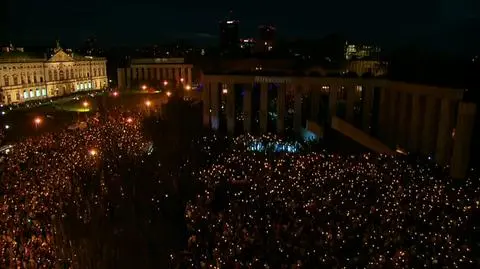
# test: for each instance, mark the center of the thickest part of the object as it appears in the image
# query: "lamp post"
(148, 104)
(37, 121)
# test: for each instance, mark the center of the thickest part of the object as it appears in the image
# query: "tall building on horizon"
(266, 38)
(229, 35)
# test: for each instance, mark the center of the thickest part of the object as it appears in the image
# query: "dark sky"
(121, 22)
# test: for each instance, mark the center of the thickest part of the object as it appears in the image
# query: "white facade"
(23, 79)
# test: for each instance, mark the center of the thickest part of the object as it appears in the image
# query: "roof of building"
(19, 56)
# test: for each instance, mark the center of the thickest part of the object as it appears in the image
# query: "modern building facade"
(421, 119)
(155, 72)
(24, 78)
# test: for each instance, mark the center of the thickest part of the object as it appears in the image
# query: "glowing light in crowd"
(93, 152)
(129, 120)
(181, 80)
(115, 94)
(225, 91)
(188, 87)
(144, 87)
(37, 121)
(169, 93)
(85, 104)
(165, 83)
(148, 103)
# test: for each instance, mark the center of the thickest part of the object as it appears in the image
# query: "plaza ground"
(19, 124)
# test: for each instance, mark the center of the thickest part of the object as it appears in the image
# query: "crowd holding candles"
(264, 202)
(323, 210)
(46, 177)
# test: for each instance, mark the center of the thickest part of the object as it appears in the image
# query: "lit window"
(25, 94)
(38, 92)
(32, 94)
(44, 92)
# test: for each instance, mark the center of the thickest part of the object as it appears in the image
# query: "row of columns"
(127, 75)
(428, 126)
(211, 108)
(424, 124)
(212, 105)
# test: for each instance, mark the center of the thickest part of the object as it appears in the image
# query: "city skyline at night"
(442, 25)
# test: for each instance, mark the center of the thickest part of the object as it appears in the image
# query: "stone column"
(315, 103)
(121, 78)
(215, 105)
(206, 104)
(281, 92)
(129, 78)
(135, 72)
(383, 114)
(141, 74)
(350, 104)
(297, 118)
(392, 119)
(247, 108)
(402, 121)
(462, 140)
(189, 75)
(164, 74)
(264, 107)
(444, 134)
(428, 131)
(157, 70)
(230, 108)
(175, 74)
(415, 123)
(367, 103)
(332, 101)
(182, 75)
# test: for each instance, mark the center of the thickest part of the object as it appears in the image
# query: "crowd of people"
(323, 210)
(45, 180)
(263, 203)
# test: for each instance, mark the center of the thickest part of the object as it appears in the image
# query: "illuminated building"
(24, 78)
(247, 44)
(361, 67)
(359, 51)
(229, 39)
(156, 72)
(266, 38)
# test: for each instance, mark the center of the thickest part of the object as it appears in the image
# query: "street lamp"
(181, 80)
(188, 87)
(165, 83)
(37, 121)
(92, 152)
(225, 91)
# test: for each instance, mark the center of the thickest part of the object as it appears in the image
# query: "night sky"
(445, 23)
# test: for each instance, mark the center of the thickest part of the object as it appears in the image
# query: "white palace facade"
(24, 78)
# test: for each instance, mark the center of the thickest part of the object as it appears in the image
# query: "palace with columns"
(156, 73)
(24, 78)
(422, 119)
